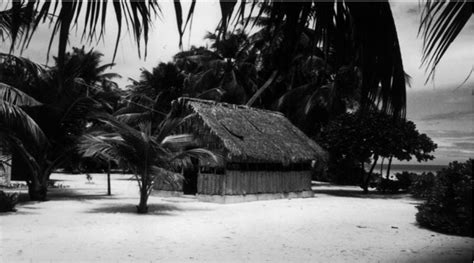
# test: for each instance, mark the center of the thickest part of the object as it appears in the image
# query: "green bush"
(402, 183)
(421, 185)
(405, 179)
(8, 201)
(388, 186)
(448, 208)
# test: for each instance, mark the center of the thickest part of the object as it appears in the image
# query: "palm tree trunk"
(142, 207)
(388, 167)
(262, 89)
(381, 167)
(368, 176)
(37, 191)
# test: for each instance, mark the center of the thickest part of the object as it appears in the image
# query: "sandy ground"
(83, 224)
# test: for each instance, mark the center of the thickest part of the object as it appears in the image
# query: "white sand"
(82, 224)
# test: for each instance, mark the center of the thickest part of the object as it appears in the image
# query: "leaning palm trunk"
(368, 176)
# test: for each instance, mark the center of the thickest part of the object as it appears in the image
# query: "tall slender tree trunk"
(368, 176)
(388, 167)
(381, 166)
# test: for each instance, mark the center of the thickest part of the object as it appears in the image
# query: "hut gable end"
(251, 135)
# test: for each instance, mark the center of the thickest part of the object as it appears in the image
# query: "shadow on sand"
(350, 192)
(153, 209)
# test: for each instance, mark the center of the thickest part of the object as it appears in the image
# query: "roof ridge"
(228, 105)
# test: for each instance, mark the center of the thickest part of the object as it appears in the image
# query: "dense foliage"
(421, 185)
(8, 201)
(44, 110)
(448, 208)
(354, 139)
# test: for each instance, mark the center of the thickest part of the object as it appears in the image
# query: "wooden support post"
(109, 192)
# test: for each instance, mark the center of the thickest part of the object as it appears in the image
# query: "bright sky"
(453, 69)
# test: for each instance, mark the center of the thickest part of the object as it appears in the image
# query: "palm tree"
(225, 72)
(19, 133)
(156, 89)
(370, 27)
(150, 153)
(62, 114)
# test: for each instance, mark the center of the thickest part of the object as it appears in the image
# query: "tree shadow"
(340, 192)
(77, 195)
(153, 209)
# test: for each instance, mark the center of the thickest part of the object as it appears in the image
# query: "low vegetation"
(448, 207)
(8, 201)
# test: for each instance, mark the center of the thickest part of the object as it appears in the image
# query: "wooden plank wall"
(236, 182)
(162, 185)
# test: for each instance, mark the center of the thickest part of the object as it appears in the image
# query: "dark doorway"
(190, 178)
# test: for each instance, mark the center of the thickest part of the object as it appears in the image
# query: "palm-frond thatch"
(251, 135)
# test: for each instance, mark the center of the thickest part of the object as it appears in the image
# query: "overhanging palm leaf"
(13, 120)
(441, 22)
(16, 97)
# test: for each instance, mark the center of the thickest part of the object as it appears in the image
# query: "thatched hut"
(5, 169)
(264, 155)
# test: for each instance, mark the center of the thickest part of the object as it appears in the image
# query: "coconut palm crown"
(151, 154)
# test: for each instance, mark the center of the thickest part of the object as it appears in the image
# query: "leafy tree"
(364, 138)
(62, 113)
(150, 153)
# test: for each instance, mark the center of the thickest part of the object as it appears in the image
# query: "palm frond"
(183, 158)
(16, 121)
(440, 24)
(16, 97)
(137, 16)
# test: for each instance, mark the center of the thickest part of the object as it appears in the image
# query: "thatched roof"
(255, 135)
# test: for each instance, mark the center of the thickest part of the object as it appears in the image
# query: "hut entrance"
(190, 178)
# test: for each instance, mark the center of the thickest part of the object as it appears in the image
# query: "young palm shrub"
(151, 153)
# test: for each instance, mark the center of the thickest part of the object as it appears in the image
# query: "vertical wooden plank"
(199, 183)
(268, 183)
(223, 184)
(245, 185)
(205, 188)
(227, 182)
(231, 185)
(280, 185)
(290, 180)
(239, 180)
(274, 182)
(252, 184)
(213, 183)
(208, 182)
(259, 181)
(235, 182)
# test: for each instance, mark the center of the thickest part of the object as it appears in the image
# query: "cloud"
(449, 115)
(464, 145)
